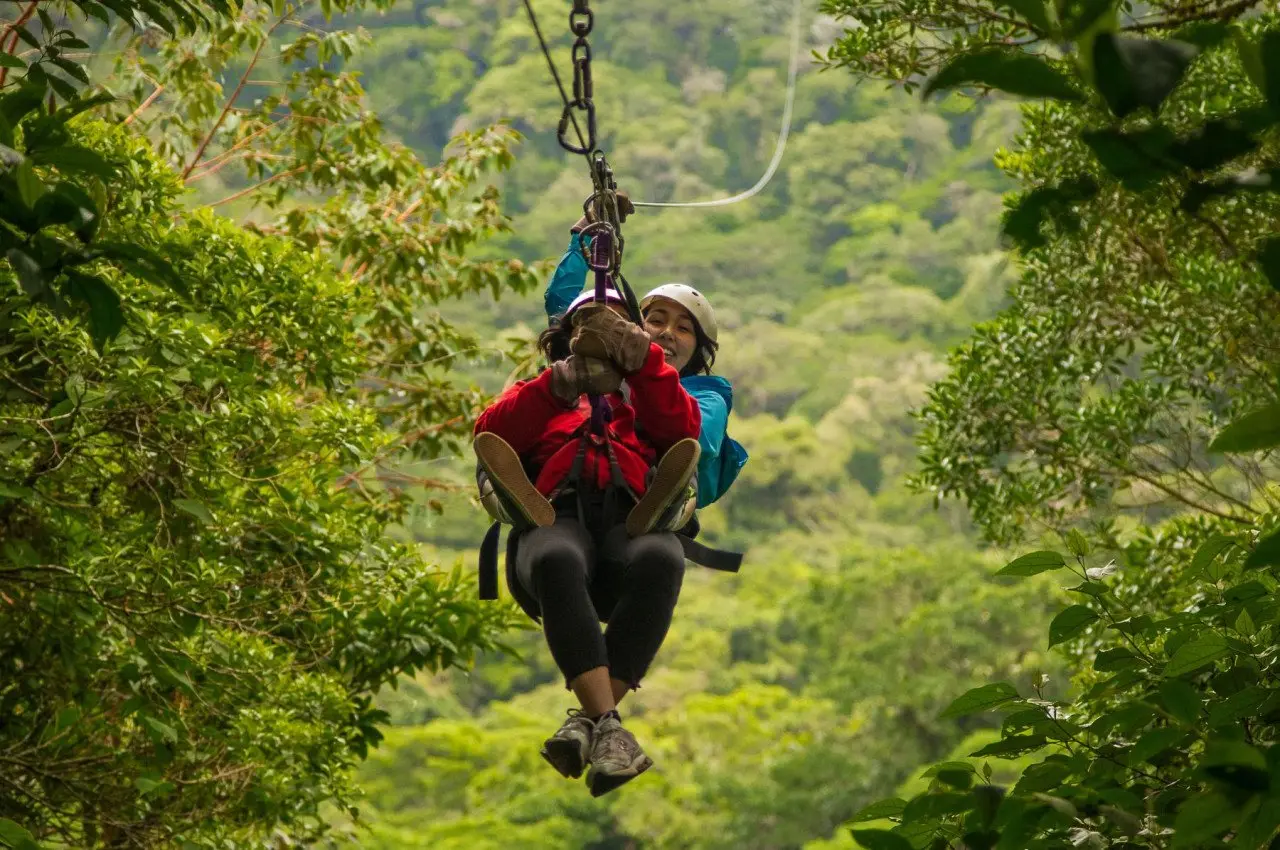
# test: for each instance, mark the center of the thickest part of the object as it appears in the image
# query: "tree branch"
(11, 34)
(258, 185)
(151, 98)
(244, 78)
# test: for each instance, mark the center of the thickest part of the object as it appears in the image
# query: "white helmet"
(611, 296)
(690, 299)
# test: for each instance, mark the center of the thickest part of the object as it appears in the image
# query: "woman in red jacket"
(588, 554)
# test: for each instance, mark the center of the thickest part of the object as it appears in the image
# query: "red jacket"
(541, 428)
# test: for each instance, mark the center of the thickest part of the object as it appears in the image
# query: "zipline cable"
(778, 149)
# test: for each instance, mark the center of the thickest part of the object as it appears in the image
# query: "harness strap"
(716, 559)
(488, 577)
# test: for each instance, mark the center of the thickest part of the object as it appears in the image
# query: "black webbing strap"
(704, 556)
(488, 578)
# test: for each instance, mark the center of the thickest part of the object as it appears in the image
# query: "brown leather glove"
(600, 332)
(575, 375)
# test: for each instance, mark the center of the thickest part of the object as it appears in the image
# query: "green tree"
(198, 486)
(1144, 326)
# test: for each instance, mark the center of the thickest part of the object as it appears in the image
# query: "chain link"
(581, 20)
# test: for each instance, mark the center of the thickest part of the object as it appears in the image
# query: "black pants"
(575, 575)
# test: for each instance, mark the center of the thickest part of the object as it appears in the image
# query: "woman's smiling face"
(674, 329)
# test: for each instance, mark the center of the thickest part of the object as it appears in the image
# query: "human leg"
(553, 567)
(644, 574)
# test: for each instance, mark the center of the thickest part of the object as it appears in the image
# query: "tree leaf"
(1058, 804)
(1153, 743)
(29, 186)
(1181, 700)
(1270, 54)
(1197, 652)
(1250, 54)
(1245, 591)
(163, 730)
(1032, 563)
(890, 808)
(1250, 180)
(30, 275)
(1138, 159)
(1033, 12)
(1009, 71)
(1128, 824)
(1012, 746)
(1208, 552)
(64, 89)
(106, 319)
(1265, 554)
(1131, 72)
(934, 805)
(1258, 828)
(72, 69)
(981, 699)
(142, 263)
(15, 105)
(1256, 430)
(1069, 623)
(1023, 221)
(14, 491)
(15, 836)
(1213, 145)
(8, 60)
(1201, 818)
(76, 159)
(1115, 658)
(150, 786)
(68, 204)
(1133, 625)
(196, 509)
(1268, 257)
(880, 839)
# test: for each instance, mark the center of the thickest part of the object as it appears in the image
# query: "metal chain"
(602, 206)
(581, 20)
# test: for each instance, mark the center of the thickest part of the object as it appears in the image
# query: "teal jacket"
(722, 456)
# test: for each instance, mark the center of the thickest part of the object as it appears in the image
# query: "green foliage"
(194, 609)
(198, 565)
(1138, 332)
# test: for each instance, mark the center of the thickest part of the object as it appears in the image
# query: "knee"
(657, 561)
(559, 568)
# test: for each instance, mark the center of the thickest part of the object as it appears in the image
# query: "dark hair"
(554, 345)
(554, 341)
(704, 354)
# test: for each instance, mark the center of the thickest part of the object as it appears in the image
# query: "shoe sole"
(565, 756)
(602, 783)
(503, 466)
(669, 481)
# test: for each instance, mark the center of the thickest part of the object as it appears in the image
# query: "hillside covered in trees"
(252, 302)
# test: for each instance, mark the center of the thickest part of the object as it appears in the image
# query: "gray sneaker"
(569, 749)
(616, 758)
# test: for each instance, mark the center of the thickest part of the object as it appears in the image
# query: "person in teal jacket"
(680, 319)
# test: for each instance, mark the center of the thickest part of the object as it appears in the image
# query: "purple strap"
(601, 259)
